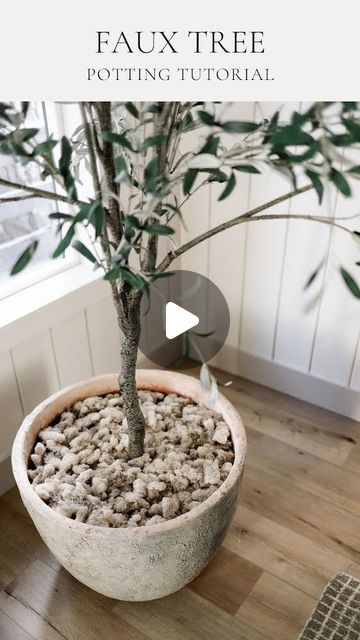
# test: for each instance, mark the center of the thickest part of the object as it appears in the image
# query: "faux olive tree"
(136, 148)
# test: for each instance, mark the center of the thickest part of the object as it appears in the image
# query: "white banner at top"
(191, 49)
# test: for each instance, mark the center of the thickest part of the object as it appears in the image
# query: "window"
(27, 219)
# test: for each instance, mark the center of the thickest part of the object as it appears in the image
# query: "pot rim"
(151, 379)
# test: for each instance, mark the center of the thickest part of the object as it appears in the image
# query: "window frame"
(60, 123)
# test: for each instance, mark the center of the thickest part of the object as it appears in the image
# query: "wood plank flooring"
(297, 524)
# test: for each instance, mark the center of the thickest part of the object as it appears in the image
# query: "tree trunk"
(129, 321)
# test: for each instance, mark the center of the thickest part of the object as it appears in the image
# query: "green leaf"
(132, 109)
(65, 158)
(236, 126)
(342, 139)
(136, 281)
(23, 135)
(290, 135)
(118, 138)
(231, 183)
(65, 242)
(246, 168)
(340, 182)
(45, 148)
(121, 167)
(151, 175)
(25, 108)
(357, 263)
(64, 167)
(61, 216)
(211, 145)
(153, 107)
(349, 106)
(298, 119)
(217, 176)
(84, 212)
(81, 248)
(4, 108)
(95, 217)
(274, 120)
(355, 169)
(131, 224)
(350, 283)
(152, 141)
(113, 274)
(159, 274)
(206, 118)
(189, 179)
(353, 128)
(151, 169)
(317, 184)
(313, 276)
(24, 258)
(159, 229)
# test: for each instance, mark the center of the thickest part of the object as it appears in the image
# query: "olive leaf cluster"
(142, 180)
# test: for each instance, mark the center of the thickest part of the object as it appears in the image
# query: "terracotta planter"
(136, 563)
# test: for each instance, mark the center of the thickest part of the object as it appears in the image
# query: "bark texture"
(128, 309)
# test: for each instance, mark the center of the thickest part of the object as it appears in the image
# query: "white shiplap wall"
(71, 339)
(303, 344)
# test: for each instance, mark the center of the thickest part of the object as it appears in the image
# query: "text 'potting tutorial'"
(164, 74)
(193, 43)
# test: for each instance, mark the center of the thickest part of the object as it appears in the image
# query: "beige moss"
(78, 465)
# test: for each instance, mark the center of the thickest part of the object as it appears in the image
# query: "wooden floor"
(298, 523)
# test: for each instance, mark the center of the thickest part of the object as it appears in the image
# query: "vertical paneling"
(226, 257)
(262, 268)
(264, 257)
(11, 409)
(197, 217)
(104, 337)
(196, 212)
(35, 368)
(339, 318)
(355, 374)
(306, 247)
(71, 346)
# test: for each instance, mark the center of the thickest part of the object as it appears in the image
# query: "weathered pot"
(135, 563)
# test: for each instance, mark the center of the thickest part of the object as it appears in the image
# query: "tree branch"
(35, 193)
(244, 217)
(295, 216)
(163, 126)
(98, 194)
(103, 110)
(16, 198)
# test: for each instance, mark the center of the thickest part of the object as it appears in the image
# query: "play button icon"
(183, 316)
(178, 320)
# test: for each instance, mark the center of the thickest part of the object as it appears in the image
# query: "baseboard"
(322, 393)
(6, 476)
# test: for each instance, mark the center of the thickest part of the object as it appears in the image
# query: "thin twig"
(92, 155)
(36, 193)
(244, 217)
(17, 198)
(98, 196)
